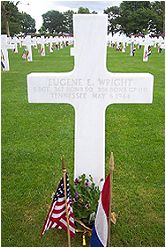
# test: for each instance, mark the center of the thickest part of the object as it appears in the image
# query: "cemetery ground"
(34, 136)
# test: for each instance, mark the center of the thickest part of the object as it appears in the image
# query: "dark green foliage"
(27, 24)
(129, 17)
(10, 18)
(83, 10)
(93, 12)
(137, 16)
(158, 16)
(13, 22)
(42, 30)
(113, 19)
(56, 22)
(53, 21)
(68, 22)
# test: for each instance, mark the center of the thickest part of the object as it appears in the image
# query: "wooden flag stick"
(111, 163)
(65, 191)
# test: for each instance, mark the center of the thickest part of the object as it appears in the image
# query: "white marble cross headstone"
(4, 51)
(14, 42)
(90, 88)
(20, 40)
(160, 42)
(42, 42)
(28, 43)
(61, 41)
(34, 42)
(146, 46)
(131, 45)
(51, 44)
(123, 40)
(139, 42)
(163, 44)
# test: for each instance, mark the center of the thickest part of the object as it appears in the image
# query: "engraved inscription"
(99, 89)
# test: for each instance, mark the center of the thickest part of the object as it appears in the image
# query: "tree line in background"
(15, 22)
(130, 17)
(137, 17)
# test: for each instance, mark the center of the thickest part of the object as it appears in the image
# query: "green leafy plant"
(85, 197)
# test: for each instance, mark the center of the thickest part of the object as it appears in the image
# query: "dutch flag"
(100, 229)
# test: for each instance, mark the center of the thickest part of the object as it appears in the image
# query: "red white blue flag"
(100, 229)
(56, 217)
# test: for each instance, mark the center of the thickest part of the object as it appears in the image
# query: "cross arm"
(127, 87)
(53, 88)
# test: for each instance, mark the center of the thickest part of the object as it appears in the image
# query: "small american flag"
(57, 214)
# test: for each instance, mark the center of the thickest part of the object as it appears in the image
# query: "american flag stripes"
(56, 217)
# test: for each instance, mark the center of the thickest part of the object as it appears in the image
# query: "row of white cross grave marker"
(90, 88)
(28, 42)
(116, 40)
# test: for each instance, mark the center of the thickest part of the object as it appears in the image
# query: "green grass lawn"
(34, 136)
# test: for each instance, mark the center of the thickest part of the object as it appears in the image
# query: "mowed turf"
(34, 136)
